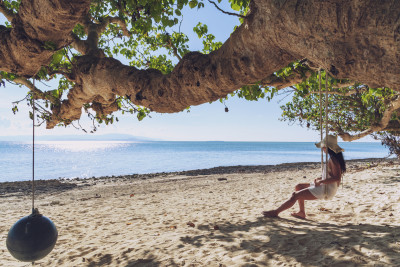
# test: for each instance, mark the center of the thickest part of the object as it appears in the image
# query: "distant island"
(86, 137)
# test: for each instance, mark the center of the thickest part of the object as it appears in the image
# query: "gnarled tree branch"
(196, 79)
(22, 48)
(253, 52)
(380, 126)
(93, 31)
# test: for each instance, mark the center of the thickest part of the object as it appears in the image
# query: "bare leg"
(286, 205)
(302, 212)
(302, 195)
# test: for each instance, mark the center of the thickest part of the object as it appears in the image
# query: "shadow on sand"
(305, 241)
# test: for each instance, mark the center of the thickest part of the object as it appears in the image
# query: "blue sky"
(245, 121)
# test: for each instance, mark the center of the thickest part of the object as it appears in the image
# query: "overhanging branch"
(274, 33)
(196, 79)
(94, 31)
(380, 126)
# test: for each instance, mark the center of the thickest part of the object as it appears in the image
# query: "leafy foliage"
(351, 109)
(346, 112)
(209, 43)
(12, 5)
(257, 91)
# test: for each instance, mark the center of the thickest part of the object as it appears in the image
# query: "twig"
(38, 93)
(180, 24)
(174, 49)
(225, 12)
(18, 101)
(283, 98)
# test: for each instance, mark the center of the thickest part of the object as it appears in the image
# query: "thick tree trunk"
(358, 40)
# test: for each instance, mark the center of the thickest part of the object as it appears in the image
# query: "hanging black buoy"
(32, 237)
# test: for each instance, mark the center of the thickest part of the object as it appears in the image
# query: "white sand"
(136, 222)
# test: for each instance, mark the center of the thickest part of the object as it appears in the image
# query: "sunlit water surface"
(68, 159)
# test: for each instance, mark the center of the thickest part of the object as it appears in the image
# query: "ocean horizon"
(86, 159)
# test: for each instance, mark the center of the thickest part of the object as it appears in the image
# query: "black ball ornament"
(32, 237)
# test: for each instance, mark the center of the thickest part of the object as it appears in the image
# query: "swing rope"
(321, 125)
(326, 125)
(33, 148)
(320, 121)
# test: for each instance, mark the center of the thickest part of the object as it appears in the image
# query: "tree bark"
(357, 40)
(22, 48)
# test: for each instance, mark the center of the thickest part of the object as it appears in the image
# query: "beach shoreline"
(55, 160)
(212, 217)
(45, 185)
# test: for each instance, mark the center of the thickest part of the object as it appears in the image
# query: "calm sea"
(68, 159)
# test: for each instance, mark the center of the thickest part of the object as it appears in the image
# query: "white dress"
(324, 191)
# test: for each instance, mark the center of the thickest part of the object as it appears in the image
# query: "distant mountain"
(86, 137)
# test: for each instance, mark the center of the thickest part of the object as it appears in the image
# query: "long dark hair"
(339, 158)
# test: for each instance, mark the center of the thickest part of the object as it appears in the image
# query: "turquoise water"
(69, 159)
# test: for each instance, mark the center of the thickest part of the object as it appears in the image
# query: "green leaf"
(235, 7)
(57, 57)
(193, 3)
(55, 93)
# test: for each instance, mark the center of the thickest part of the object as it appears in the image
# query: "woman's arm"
(334, 174)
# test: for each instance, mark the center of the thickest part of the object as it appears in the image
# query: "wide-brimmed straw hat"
(331, 143)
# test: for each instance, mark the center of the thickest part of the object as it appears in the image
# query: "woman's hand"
(318, 181)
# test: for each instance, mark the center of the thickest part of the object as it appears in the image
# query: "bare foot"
(270, 213)
(299, 215)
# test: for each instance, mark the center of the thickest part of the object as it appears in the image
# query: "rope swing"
(321, 124)
(34, 236)
(33, 148)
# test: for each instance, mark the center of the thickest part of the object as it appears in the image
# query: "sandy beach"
(213, 218)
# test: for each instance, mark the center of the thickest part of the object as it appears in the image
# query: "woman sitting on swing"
(322, 188)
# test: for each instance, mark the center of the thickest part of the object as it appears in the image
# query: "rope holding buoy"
(34, 236)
